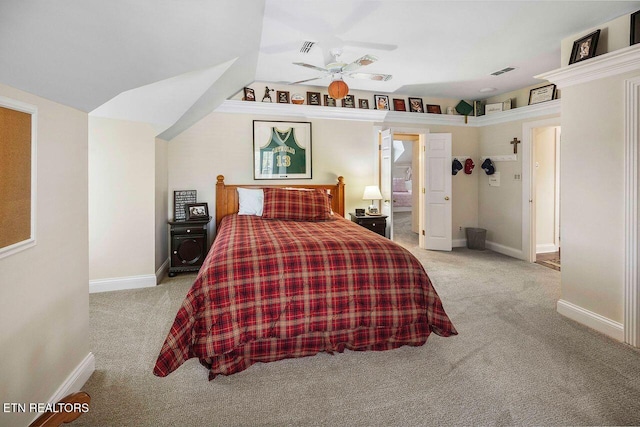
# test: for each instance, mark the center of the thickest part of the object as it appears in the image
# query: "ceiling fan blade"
(380, 77)
(360, 62)
(307, 80)
(370, 45)
(304, 64)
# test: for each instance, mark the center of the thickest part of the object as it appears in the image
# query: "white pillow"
(251, 201)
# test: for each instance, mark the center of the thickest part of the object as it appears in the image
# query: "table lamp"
(372, 192)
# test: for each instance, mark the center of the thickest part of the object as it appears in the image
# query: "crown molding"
(382, 116)
(521, 113)
(300, 111)
(607, 65)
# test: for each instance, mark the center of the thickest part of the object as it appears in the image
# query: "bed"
(273, 288)
(402, 195)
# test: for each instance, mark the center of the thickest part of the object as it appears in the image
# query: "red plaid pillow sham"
(296, 205)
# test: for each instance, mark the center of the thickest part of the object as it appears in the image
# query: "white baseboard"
(121, 283)
(162, 271)
(75, 381)
(459, 243)
(593, 320)
(505, 250)
(546, 248)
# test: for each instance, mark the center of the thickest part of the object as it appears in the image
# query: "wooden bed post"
(340, 196)
(221, 200)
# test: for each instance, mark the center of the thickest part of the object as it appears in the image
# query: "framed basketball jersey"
(282, 150)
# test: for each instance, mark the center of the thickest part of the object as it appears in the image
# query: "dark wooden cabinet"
(375, 223)
(189, 245)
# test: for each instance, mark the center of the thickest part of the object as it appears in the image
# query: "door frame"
(631, 318)
(528, 186)
(422, 133)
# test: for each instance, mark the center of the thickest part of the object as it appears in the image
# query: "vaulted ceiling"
(171, 62)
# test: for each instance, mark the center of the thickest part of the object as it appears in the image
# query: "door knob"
(446, 197)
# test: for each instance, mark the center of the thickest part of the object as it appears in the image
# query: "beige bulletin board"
(15, 176)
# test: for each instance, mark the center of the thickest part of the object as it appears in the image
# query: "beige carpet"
(515, 362)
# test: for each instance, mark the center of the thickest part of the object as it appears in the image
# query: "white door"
(437, 189)
(386, 163)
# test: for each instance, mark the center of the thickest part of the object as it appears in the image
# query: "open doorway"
(405, 189)
(545, 189)
(535, 165)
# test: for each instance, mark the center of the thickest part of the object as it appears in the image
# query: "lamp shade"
(338, 89)
(372, 192)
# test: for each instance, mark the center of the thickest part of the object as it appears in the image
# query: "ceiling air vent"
(306, 47)
(504, 70)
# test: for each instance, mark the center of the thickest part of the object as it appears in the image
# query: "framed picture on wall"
(416, 105)
(281, 150)
(381, 102)
(329, 101)
(363, 103)
(434, 109)
(635, 28)
(399, 105)
(349, 101)
(283, 97)
(313, 98)
(249, 94)
(542, 94)
(585, 47)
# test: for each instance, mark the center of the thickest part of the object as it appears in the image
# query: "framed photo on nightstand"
(195, 211)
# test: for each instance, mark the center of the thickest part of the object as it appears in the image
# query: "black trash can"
(476, 238)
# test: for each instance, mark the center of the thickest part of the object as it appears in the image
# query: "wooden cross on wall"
(515, 143)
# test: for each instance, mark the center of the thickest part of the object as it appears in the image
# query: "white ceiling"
(444, 49)
(197, 53)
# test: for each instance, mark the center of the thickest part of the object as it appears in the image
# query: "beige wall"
(223, 144)
(592, 203)
(161, 203)
(544, 148)
(44, 299)
(500, 208)
(121, 198)
(592, 183)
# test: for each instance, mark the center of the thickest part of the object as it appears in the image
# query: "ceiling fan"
(337, 70)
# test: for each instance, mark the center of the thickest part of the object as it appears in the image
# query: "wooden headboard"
(227, 196)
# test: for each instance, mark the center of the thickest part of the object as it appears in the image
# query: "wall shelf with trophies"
(383, 116)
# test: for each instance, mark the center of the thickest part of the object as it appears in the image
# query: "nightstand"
(375, 223)
(189, 245)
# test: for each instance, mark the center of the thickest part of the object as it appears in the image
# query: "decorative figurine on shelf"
(267, 95)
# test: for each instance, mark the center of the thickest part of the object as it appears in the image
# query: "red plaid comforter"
(272, 289)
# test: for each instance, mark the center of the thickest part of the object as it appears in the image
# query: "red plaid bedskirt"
(272, 289)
